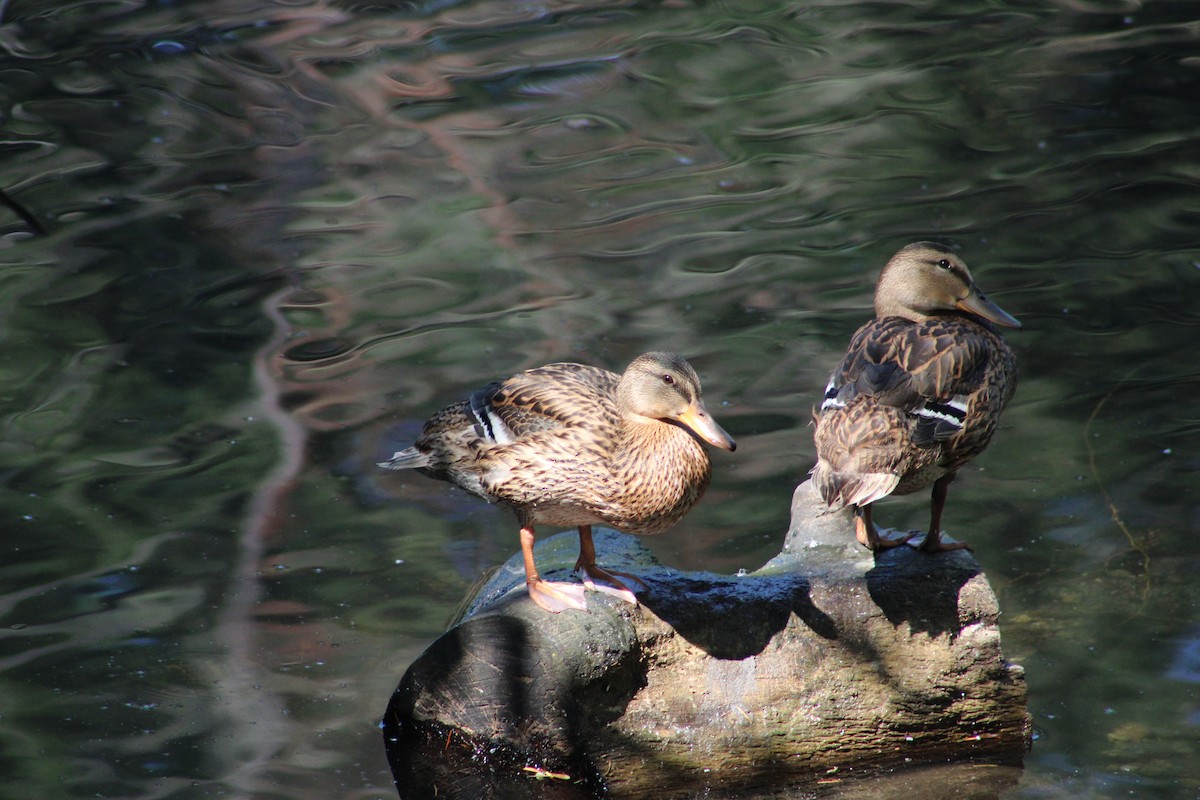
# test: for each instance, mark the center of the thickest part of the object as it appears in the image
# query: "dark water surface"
(278, 235)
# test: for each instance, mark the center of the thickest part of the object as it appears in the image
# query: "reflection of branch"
(1113, 511)
(260, 724)
(21, 211)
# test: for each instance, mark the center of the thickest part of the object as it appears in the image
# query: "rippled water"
(277, 236)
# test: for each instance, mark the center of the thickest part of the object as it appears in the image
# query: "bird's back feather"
(913, 400)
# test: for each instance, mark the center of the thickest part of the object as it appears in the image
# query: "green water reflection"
(279, 235)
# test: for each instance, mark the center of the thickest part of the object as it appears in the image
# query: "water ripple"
(276, 234)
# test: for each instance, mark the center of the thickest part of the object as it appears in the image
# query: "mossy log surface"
(827, 662)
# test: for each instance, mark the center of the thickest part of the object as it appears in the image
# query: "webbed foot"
(615, 588)
(555, 597)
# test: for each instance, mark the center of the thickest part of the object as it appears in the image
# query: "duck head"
(664, 386)
(926, 278)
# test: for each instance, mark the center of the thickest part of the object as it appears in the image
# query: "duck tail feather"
(839, 489)
(410, 458)
(862, 490)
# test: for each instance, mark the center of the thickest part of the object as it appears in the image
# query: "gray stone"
(827, 662)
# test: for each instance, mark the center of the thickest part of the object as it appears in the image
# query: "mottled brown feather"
(931, 361)
(576, 459)
(876, 444)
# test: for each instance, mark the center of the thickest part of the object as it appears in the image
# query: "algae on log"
(827, 662)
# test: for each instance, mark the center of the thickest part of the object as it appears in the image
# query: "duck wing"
(510, 439)
(546, 439)
(548, 398)
(928, 370)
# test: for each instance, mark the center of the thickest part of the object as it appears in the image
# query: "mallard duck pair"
(917, 395)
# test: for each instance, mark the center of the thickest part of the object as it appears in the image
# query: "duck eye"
(668, 380)
(944, 263)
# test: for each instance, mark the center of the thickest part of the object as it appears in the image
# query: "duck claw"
(616, 588)
(623, 594)
(933, 543)
(555, 597)
(883, 542)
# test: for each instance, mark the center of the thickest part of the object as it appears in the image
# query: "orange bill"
(697, 419)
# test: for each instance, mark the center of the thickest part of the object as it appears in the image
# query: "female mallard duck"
(918, 393)
(568, 444)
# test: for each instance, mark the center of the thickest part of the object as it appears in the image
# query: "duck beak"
(696, 418)
(976, 302)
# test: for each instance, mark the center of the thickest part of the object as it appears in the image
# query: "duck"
(918, 393)
(574, 445)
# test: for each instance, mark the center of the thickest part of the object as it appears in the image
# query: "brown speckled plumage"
(568, 444)
(919, 391)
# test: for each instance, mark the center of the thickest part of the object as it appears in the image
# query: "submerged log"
(827, 662)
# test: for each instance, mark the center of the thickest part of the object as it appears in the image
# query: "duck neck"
(653, 443)
(640, 433)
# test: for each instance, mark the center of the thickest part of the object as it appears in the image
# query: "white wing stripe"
(487, 422)
(831, 396)
(499, 431)
(954, 411)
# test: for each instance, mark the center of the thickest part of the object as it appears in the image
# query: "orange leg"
(933, 540)
(551, 596)
(587, 563)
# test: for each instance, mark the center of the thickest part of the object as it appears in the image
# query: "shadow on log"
(826, 664)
